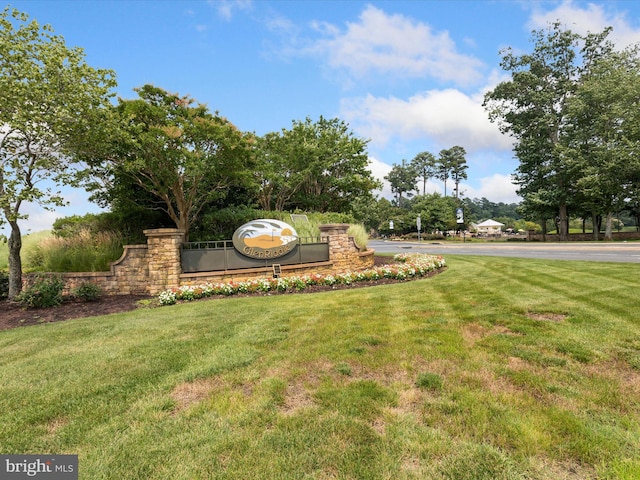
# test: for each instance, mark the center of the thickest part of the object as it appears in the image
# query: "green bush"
(44, 291)
(87, 292)
(4, 285)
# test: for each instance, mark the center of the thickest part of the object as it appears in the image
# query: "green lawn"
(496, 369)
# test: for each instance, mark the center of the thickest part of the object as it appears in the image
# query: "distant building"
(489, 228)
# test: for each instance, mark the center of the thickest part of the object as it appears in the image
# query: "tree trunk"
(563, 223)
(15, 262)
(608, 230)
(184, 225)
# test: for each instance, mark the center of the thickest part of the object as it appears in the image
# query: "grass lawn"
(496, 369)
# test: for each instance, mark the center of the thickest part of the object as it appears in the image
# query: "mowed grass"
(495, 369)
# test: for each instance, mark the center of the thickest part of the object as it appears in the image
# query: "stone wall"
(149, 269)
(128, 275)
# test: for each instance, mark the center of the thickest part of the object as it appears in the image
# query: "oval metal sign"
(265, 238)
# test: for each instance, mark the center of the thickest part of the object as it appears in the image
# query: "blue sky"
(408, 75)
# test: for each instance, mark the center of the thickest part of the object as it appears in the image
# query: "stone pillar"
(340, 248)
(163, 253)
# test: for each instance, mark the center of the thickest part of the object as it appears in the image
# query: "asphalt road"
(595, 252)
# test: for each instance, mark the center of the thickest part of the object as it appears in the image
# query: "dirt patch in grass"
(547, 316)
(474, 332)
(188, 393)
(296, 398)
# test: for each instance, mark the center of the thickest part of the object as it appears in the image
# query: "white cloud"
(590, 19)
(380, 170)
(226, 8)
(496, 188)
(447, 117)
(390, 45)
(382, 43)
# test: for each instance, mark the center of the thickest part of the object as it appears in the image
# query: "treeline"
(169, 159)
(437, 214)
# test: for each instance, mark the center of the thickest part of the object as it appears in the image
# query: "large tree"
(279, 172)
(452, 163)
(403, 180)
(51, 104)
(172, 147)
(603, 135)
(532, 108)
(424, 164)
(316, 165)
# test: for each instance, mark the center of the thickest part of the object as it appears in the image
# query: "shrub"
(87, 292)
(4, 285)
(45, 291)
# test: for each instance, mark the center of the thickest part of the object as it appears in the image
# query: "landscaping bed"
(15, 315)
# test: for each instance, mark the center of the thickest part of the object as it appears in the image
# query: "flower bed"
(408, 266)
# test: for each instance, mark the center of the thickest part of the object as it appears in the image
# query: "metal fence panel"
(217, 256)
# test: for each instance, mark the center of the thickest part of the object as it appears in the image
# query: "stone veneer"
(154, 267)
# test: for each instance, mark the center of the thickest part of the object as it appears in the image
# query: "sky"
(409, 76)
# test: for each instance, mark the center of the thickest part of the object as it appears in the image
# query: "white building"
(490, 228)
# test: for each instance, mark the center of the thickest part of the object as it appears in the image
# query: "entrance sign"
(265, 238)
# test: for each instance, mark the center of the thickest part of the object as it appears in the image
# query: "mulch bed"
(13, 314)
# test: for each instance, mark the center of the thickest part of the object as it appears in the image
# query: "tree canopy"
(571, 106)
(402, 179)
(173, 148)
(316, 165)
(452, 164)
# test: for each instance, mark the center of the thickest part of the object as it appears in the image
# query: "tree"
(443, 169)
(531, 107)
(402, 179)
(176, 150)
(51, 103)
(437, 212)
(453, 163)
(424, 164)
(334, 165)
(277, 171)
(318, 166)
(603, 135)
(369, 212)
